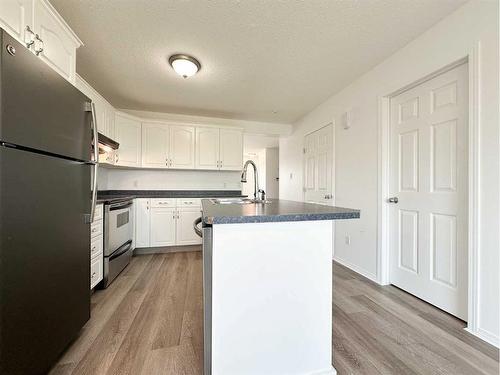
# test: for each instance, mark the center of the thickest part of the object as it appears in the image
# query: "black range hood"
(105, 142)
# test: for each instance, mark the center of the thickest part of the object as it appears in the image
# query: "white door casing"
(428, 175)
(318, 166)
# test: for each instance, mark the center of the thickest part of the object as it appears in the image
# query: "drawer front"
(98, 212)
(96, 246)
(161, 202)
(95, 272)
(96, 229)
(189, 202)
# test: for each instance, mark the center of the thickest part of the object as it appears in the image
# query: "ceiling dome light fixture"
(184, 65)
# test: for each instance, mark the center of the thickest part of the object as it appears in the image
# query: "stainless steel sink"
(237, 201)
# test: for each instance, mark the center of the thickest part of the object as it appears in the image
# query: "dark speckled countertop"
(105, 196)
(276, 210)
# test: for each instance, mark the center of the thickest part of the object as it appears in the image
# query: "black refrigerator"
(46, 170)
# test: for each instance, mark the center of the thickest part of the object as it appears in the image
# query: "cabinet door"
(128, 135)
(142, 222)
(100, 114)
(185, 232)
(110, 121)
(15, 15)
(162, 232)
(155, 145)
(182, 146)
(59, 45)
(231, 149)
(207, 148)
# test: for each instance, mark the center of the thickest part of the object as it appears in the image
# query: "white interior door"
(318, 166)
(428, 225)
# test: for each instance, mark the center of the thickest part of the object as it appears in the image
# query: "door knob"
(393, 200)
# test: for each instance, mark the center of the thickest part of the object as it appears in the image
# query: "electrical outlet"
(347, 239)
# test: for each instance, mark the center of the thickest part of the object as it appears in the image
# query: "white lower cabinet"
(162, 227)
(142, 222)
(96, 247)
(185, 234)
(166, 222)
(95, 271)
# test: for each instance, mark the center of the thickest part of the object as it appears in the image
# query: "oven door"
(118, 226)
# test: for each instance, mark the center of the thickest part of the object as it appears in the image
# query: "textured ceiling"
(261, 60)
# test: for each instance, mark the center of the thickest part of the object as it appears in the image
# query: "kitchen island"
(268, 286)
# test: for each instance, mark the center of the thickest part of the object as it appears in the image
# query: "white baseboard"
(487, 336)
(166, 249)
(357, 269)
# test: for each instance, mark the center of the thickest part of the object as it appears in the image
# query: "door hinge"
(304, 150)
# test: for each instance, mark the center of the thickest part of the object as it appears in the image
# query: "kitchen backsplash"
(129, 179)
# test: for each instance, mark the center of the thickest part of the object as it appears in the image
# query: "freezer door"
(44, 258)
(39, 108)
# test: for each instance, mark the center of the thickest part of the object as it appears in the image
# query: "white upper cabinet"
(155, 145)
(110, 121)
(128, 135)
(15, 16)
(231, 149)
(36, 24)
(182, 140)
(56, 44)
(105, 113)
(207, 148)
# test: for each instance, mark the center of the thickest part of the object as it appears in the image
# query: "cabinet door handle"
(29, 37)
(39, 50)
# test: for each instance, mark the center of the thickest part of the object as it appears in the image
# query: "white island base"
(271, 298)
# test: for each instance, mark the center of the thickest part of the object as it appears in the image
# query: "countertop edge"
(280, 218)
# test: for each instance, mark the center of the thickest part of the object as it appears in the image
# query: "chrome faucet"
(258, 194)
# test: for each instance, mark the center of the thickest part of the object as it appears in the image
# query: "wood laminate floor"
(149, 321)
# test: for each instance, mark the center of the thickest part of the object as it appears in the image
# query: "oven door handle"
(121, 250)
(119, 206)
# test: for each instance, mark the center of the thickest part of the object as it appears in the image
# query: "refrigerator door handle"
(96, 161)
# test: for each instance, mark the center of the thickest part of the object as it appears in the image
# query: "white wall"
(150, 179)
(356, 152)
